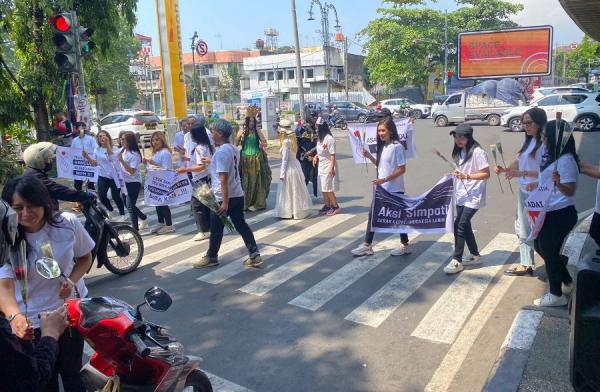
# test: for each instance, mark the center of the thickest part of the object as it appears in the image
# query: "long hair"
(389, 124)
(250, 124)
(163, 139)
(539, 118)
(293, 141)
(322, 131)
(110, 144)
(200, 136)
(471, 145)
(132, 143)
(552, 140)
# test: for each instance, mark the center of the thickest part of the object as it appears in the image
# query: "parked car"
(417, 109)
(461, 107)
(543, 91)
(142, 123)
(352, 111)
(582, 109)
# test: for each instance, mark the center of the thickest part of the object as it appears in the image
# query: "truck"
(462, 106)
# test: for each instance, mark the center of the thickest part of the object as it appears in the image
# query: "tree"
(579, 61)
(406, 43)
(228, 87)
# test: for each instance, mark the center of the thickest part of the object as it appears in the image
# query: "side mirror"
(48, 268)
(158, 299)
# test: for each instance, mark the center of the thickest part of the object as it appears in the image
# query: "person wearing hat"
(227, 188)
(471, 174)
(306, 136)
(293, 200)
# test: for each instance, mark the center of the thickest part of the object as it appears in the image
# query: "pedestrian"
(293, 200)
(227, 188)
(200, 172)
(329, 175)
(254, 165)
(559, 170)
(85, 144)
(63, 129)
(130, 159)
(178, 142)
(105, 158)
(307, 137)
(470, 180)
(161, 157)
(188, 142)
(594, 172)
(391, 167)
(526, 168)
(71, 247)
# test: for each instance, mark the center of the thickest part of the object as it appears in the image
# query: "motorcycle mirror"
(47, 267)
(158, 299)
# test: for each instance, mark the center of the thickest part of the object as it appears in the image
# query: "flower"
(357, 134)
(206, 196)
(19, 273)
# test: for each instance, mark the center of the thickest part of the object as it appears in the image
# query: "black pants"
(310, 173)
(201, 212)
(236, 213)
(463, 232)
(133, 191)
(164, 215)
(370, 235)
(595, 228)
(78, 184)
(555, 229)
(104, 184)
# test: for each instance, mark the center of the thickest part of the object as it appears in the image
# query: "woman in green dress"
(254, 167)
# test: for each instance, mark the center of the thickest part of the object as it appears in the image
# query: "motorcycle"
(337, 122)
(119, 247)
(144, 356)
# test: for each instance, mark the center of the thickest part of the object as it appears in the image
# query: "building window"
(308, 73)
(270, 76)
(261, 76)
(291, 74)
(279, 75)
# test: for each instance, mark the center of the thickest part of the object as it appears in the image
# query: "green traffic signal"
(85, 42)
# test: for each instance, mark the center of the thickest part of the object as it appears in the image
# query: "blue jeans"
(522, 229)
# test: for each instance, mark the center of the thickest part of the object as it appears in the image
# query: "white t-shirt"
(189, 145)
(163, 158)
(200, 152)
(226, 160)
(569, 172)
(133, 160)
(178, 142)
(471, 193)
(68, 240)
(325, 150)
(87, 143)
(392, 156)
(106, 167)
(529, 163)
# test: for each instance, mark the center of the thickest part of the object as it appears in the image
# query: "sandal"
(519, 271)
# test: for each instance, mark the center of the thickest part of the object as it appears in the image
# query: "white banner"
(536, 206)
(71, 164)
(166, 188)
(366, 135)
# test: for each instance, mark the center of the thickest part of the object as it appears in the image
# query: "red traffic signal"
(449, 74)
(61, 22)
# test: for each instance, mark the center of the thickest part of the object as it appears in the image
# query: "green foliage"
(578, 61)
(228, 87)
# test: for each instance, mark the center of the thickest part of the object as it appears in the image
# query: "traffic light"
(66, 56)
(449, 75)
(86, 44)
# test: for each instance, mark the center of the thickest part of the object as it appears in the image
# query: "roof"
(218, 57)
(585, 13)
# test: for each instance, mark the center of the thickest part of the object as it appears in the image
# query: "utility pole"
(299, 80)
(445, 52)
(145, 68)
(151, 85)
(346, 68)
(194, 37)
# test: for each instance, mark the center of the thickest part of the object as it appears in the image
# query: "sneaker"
(252, 209)
(324, 210)
(166, 230)
(404, 249)
(453, 267)
(333, 211)
(567, 288)
(156, 228)
(143, 225)
(363, 250)
(253, 262)
(113, 214)
(471, 260)
(550, 299)
(201, 236)
(205, 261)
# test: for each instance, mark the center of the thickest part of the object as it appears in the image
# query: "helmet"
(8, 230)
(39, 155)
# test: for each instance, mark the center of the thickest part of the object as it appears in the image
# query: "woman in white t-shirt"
(71, 246)
(561, 216)
(162, 158)
(130, 159)
(391, 166)
(85, 143)
(526, 168)
(471, 174)
(329, 176)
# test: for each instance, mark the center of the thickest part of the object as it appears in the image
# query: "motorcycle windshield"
(101, 308)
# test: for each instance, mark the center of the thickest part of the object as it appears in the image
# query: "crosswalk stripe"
(221, 385)
(231, 269)
(227, 247)
(281, 274)
(445, 318)
(377, 308)
(324, 291)
(452, 362)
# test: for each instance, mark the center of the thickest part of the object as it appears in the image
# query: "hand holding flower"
(378, 181)
(21, 327)
(65, 290)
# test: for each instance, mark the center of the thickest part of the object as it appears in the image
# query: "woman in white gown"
(293, 200)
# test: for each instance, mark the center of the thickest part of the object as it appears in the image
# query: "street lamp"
(325, 8)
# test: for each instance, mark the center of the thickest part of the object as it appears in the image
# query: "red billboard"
(519, 52)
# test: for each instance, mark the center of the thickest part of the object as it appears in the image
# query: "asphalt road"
(316, 319)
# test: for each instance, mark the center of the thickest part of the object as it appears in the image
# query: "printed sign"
(201, 48)
(71, 164)
(366, 135)
(166, 188)
(536, 206)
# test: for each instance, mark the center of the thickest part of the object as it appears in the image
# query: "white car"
(582, 109)
(544, 91)
(420, 110)
(142, 123)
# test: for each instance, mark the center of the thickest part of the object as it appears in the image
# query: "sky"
(237, 24)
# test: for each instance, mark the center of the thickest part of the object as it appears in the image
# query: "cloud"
(548, 12)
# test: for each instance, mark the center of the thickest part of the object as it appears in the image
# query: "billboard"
(519, 52)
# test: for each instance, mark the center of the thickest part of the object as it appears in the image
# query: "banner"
(71, 164)
(366, 134)
(429, 213)
(166, 188)
(536, 206)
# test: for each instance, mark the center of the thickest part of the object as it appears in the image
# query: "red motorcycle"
(141, 353)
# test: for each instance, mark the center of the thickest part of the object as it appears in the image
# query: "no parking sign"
(201, 48)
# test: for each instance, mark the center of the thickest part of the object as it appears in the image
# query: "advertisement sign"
(519, 52)
(71, 164)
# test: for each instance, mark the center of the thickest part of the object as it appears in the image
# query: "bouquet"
(20, 270)
(453, 166)
(361, 143)
(206, 196)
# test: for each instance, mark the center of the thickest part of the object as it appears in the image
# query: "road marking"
(445, 318)
(445, 373)
(324, 291)
(233, 268)
(221, 385)
(227, 247)
(377, 308)
(287, 271)
(523, 330)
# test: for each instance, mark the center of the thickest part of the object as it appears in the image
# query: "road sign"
(201, 48)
